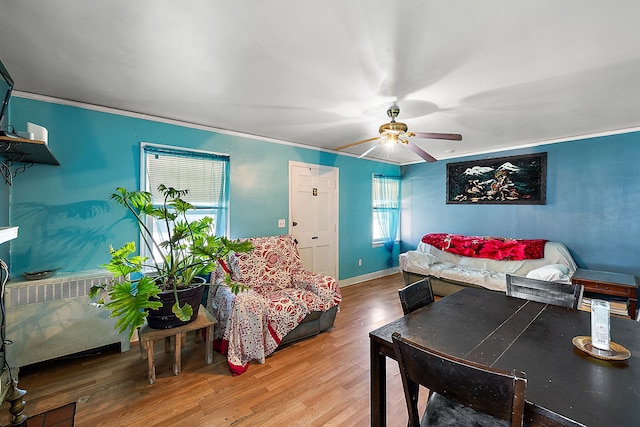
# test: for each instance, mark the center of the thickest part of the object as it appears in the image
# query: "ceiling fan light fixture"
(393, 127)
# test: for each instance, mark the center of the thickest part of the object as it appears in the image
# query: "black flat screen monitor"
(6, 86)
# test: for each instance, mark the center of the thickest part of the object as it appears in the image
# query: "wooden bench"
(146, 335)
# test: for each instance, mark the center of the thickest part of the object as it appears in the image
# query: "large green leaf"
(122, 263)
(183, 313)
(129, 301)
(181, 206)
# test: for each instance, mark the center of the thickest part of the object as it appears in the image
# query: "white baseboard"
(368, 276)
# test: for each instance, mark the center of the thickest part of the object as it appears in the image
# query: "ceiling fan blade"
(368, 151)
(342, 147)
(420, 152)
(437, 135)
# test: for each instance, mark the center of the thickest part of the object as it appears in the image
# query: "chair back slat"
(416, 295)
(562, 294)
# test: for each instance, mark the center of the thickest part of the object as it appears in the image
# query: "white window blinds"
(205, 175)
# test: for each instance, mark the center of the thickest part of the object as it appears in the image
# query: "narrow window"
(386, 211)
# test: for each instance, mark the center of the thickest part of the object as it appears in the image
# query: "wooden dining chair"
(416, 295)
(562, 294)
(461, 392)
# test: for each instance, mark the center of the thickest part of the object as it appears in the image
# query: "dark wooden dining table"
(509, 333)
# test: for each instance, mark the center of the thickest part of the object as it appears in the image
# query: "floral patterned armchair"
(283, 302)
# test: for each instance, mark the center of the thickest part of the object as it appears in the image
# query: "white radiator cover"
(53, 317)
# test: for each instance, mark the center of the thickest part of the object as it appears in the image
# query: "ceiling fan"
(396, 132)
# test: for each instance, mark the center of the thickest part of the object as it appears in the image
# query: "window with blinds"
(204, 174)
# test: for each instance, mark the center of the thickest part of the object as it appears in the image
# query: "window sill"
(380, 243)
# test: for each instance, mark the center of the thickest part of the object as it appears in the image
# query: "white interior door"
(313, 216)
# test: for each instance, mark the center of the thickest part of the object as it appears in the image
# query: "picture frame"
(511, 180)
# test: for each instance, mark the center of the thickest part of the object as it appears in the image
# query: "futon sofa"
(454, 261)
(282, 302)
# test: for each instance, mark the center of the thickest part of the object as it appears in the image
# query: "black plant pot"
(163, 318)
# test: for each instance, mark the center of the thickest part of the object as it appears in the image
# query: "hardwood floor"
(323, 380)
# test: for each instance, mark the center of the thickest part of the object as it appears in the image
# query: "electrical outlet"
(360, 262)
(282, 223)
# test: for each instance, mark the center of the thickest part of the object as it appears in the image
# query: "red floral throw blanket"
(498, 248)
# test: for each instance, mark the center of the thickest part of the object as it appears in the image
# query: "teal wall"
(593, 197)
(67, 220)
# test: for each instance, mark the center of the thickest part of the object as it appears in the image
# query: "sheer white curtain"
(386, 211)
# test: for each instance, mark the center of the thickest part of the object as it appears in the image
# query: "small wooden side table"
(146, 335)
(607, 283)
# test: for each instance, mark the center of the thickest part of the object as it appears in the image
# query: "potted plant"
(190, 251)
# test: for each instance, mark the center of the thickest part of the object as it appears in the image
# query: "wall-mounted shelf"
(26, 151)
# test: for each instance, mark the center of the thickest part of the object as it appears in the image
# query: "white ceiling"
(323, 73)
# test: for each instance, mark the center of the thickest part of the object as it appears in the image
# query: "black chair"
(416, 295)
(562, 294)
(462, 393)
